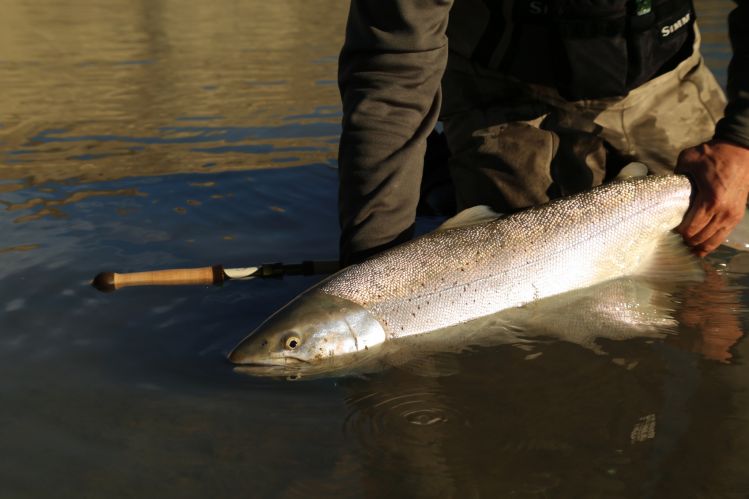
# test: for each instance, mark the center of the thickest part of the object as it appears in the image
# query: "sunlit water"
(154, 134)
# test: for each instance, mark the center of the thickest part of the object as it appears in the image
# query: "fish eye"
(292, 342)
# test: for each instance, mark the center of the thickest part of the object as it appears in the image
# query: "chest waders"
(586, 49)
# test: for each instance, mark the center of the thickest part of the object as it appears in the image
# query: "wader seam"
(704, 104)
(507, 36)
(625, 133)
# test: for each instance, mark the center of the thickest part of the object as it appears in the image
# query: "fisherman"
(538, 99)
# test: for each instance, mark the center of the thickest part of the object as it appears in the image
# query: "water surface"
(154, 134)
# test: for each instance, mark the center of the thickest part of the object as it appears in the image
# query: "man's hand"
(720, 173)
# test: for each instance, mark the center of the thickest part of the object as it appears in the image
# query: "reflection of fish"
(617, 310)
(469, 269)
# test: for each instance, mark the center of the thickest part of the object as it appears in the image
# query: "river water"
(153, 134)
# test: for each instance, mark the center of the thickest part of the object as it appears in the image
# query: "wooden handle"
(110, 281)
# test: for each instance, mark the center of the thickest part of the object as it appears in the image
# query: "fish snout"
(248, 352)
(235, 356)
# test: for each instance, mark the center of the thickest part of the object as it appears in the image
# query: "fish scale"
(458, 274)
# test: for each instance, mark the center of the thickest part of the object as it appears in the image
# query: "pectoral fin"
(470, 216)
(634, 169)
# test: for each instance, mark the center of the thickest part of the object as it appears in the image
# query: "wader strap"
(497, 37)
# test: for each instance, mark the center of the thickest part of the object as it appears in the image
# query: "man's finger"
(694, 221)
(686, 222)
(706, 232)
(713, 242)
(720, 173)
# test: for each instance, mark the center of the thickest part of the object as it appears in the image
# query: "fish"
(622, 309)
(478, 264)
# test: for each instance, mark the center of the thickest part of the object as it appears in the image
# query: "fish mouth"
(240, 357)
(269, 365)
(287, 368)
(280, 362)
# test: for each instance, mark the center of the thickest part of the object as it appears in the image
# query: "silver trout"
(470, 268)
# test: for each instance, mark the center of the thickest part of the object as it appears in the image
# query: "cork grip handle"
(110, 281)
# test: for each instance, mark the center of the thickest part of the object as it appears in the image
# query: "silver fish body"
(459, 274)
(454, 275)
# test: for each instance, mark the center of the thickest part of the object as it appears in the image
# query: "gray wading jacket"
(391, 65)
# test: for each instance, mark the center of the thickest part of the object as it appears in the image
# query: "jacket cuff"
(734, 127)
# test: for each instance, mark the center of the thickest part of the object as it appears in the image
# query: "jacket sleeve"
(734, 127)
(389, 75)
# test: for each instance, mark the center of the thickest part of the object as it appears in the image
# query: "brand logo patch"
(538, 8)
(670, 29)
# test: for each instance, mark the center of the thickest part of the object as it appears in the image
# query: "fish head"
(314, 329)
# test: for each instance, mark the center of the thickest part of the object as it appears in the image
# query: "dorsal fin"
(470, 216)
(634, 169)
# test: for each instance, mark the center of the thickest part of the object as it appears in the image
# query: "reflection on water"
(103, 91)
(162, 133)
